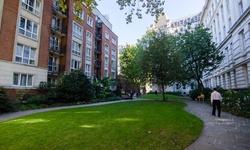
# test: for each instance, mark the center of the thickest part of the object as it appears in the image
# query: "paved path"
(225, 133)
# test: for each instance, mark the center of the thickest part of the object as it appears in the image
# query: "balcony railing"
(53, 68)
(97, 63)
(58, 10)
(58, 29)
(98, 50)
(98, 23)
(98, 36)
(56, 47)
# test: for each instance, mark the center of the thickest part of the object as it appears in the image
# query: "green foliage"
(155, 8)
(163, 62)
(48, 89)
(5, 103)
(237, 102)
(75, 86)
(199, 52)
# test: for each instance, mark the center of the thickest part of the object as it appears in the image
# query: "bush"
(75, 86)
(237, 102)
(5, 103)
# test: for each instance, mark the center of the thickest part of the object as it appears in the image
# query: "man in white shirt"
(216, 100)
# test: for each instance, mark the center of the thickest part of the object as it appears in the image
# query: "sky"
(129, 33)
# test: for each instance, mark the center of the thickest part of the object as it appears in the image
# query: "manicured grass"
(160, 96)
(137, 125)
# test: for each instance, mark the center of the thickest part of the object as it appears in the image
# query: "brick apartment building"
(40, 42)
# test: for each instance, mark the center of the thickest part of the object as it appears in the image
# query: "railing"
(58, 28)
(98, 50)
(56, 47)
(98, 36)
(59, 9)
(97, 63)
(53, 68)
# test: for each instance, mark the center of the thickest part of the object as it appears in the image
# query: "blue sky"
(129, 33)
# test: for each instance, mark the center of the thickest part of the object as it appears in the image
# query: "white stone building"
(229, 21)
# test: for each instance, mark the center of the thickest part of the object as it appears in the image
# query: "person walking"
(216, 100)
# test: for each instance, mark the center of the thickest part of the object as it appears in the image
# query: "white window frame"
(106, 61)
(89, 37)
(105, 73)
(34, 8)
(87, 69)
(88, 53)
(24, 28)
(89, 21)
(22, 79)
(80, 14)
(25, 54)
(114, 41)
(76, 48)
(75, 65)
(106, 35)
(77, 30)
(106, 49)
(113, 53)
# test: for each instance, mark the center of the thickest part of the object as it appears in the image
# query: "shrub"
(5, 103)
(237, 102)
(75, 86)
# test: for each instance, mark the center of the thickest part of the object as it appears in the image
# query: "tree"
(130, 69)
(159, 60)
(200, 53)
(153, 7)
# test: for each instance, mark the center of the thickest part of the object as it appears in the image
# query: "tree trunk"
(163, 93)
(200, 85)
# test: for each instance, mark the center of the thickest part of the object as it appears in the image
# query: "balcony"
(58, 10)
(97, 63)
(56, 48)
(98, 23)
(53, 69)
(57, 29)
(98, 36)
(98, 51)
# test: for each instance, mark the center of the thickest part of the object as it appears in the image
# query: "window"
(89, 21)
(113, 75)
(79, 14)
(20, 79)
(114, 41)
(28, 28)
(113, 64)
(242, 39)
(25, 54)
(89, 38)
(87, 70)
(56, 23)
(106, 35)
(77, 31)
(76, 48)
(52, 65)
(106, 49)
(75, 65)
(32, 6)
(240, 8)
(105, 73)
(54, 43)
(113, 53)
(106, 61)
(88, 53)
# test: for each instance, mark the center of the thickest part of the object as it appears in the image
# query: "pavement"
(228, 132)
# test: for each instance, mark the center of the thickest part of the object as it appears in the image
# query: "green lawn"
(169, 96)
(133, 125)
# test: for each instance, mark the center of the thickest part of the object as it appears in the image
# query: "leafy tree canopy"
(136, 7)
(200, 53)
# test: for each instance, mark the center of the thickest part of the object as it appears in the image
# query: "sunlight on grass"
(133, 125)
(127, 119)
(24, 121)
(89, 126)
